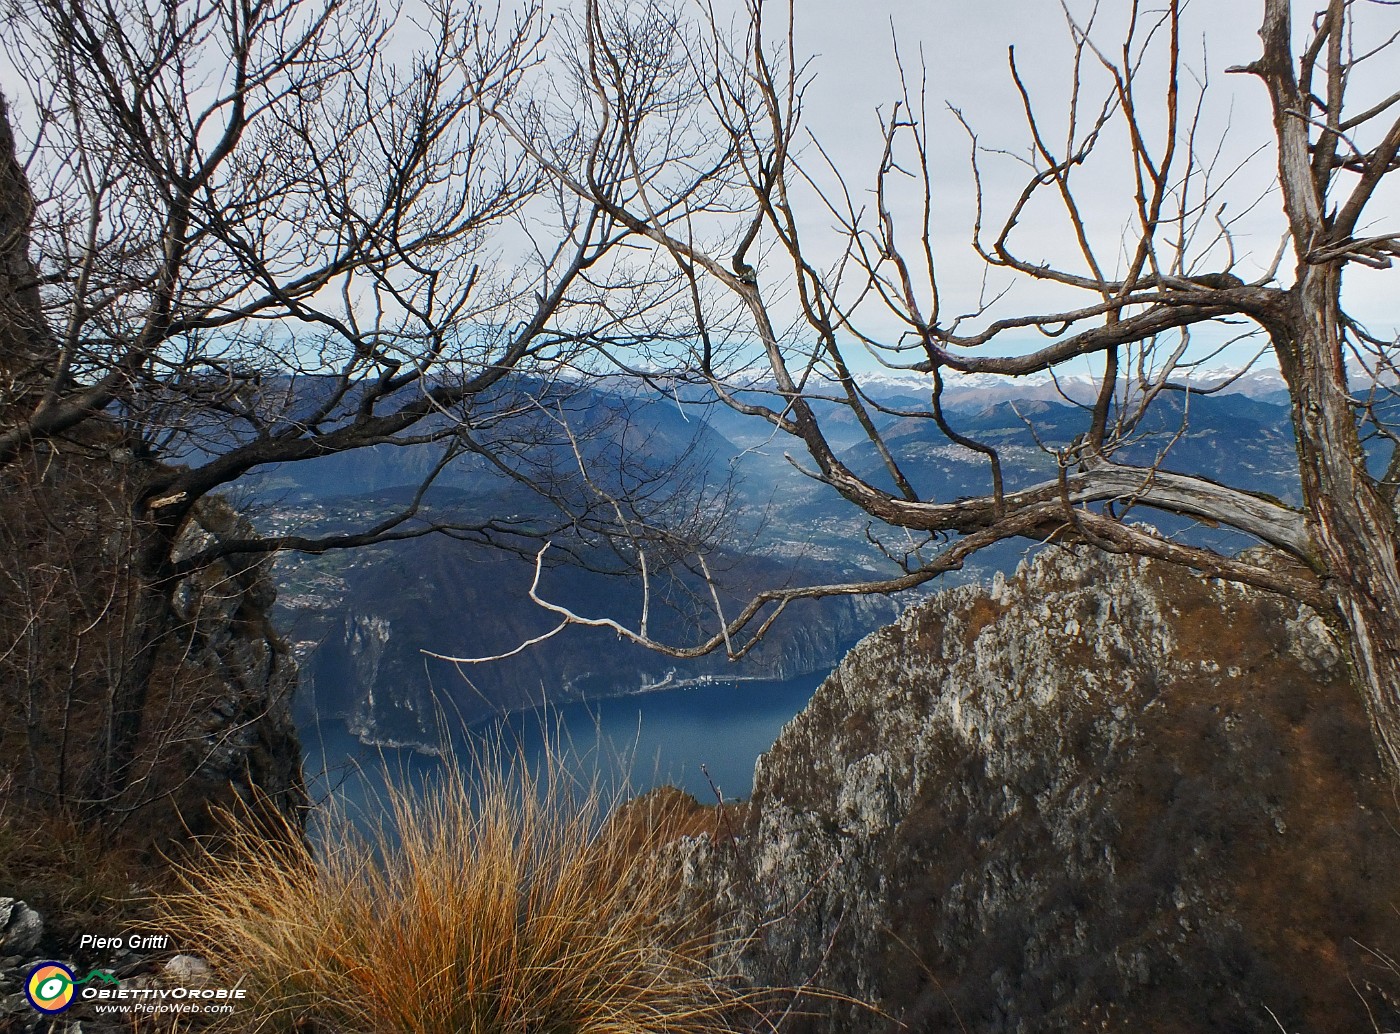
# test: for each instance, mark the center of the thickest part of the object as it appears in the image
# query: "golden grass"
(512, 906)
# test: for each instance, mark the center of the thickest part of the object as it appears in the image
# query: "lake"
(648, 740)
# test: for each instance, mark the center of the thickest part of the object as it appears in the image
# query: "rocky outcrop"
(21, 323)
(1102, 795)
(240, 742)
(21, 928)
(217, 726)
(82, 647)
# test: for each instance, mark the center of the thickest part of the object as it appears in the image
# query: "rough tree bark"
(1131, 304)
(1351, 521)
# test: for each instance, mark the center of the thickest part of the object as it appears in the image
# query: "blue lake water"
(644, 741)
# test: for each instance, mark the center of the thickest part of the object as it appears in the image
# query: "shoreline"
(670, 682)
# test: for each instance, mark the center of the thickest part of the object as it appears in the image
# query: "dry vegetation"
(75, 879)
(510, 905)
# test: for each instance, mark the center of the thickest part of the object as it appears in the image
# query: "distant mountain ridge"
(364, 620)
(970, 389)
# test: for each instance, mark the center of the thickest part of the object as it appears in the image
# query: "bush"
(513, 905)
(76, 879)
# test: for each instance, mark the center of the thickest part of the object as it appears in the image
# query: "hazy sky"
(962, 49)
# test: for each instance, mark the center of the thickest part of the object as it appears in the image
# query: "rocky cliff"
(240, 741)
(214, 721)
(216, 718)
(1103, 795)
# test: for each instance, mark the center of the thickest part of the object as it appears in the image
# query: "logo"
(50, 987)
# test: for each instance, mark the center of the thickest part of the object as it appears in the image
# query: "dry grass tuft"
(507, 906)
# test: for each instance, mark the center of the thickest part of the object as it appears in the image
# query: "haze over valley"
(366, 622)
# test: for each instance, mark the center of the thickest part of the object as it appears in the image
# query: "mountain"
(542, 432)
(364, 621)
(1229, 438)
(361, 634)
(1103, 794)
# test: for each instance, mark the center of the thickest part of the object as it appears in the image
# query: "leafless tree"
(263, 232)
(713, 165)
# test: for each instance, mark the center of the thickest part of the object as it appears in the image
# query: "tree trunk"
(149, 622)
(1353, 527)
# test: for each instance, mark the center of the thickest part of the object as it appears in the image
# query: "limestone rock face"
(241, 741)
(1103, 794)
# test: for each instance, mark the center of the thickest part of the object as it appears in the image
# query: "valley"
(365, 623)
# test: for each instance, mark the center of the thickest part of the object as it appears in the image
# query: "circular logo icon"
(49, 987)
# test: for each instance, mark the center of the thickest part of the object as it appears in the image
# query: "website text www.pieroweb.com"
(182, 985)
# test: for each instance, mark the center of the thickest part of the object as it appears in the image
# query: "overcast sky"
(962, 47)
